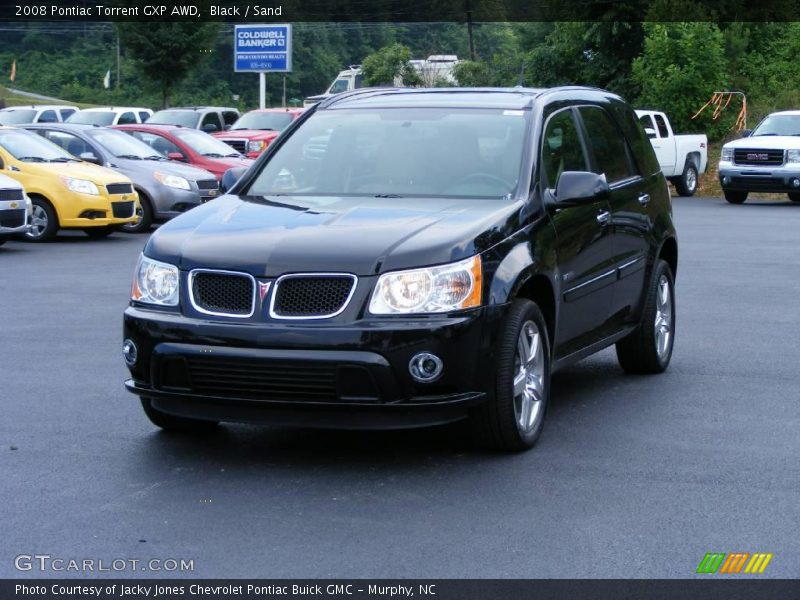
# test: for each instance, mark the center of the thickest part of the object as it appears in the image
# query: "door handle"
(603, 217)
(644, 199)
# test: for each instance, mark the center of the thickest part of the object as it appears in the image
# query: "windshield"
(338, 86)
(184, 118)
(29, 147)
(204, 144)
(395, 152)
(16, 117)
(268, 121)
(778, 125)
(122, 145)
(93, 117)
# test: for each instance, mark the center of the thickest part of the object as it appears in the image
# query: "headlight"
(430, 290)
(173, 181)
(793, 156)
(256, 146)
(81, 186)
(727, 154)
(155, 282)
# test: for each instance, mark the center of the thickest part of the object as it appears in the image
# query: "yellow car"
(65, 192)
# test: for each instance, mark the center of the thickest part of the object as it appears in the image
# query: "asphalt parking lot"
(633, 477)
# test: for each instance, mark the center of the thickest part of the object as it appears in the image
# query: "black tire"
(497, 423)
(686, 184)
(640, 352)
(99, 232)
(145, 214)
(177, 424)
(794, 196)
(735, 197)
(45, 222)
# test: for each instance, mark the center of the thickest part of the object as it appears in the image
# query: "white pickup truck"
(682, 157)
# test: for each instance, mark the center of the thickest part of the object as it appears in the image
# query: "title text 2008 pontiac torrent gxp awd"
(400, 258)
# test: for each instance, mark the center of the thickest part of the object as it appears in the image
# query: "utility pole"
(118, 67)
(469, 33)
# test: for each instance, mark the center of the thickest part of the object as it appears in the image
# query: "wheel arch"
(669, 253)
(40, 196)
(539, 289)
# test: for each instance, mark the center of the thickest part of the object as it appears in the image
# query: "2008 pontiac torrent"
(408, 257)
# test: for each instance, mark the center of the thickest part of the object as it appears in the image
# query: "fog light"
(130, 352)
(425, 367)
(726, 180)
(795, 183)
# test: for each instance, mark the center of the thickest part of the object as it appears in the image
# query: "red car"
(191, 146)
(254, 131)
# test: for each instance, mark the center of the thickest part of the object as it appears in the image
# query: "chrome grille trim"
(205, 311)
(344, 306)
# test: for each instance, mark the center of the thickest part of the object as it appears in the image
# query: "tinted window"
(229, 117)
(663, 131)
(211, 122)
(48, 116)
(143, 116)
(71, 143)
(647, 123)
(66, 113)
(561, 148)
(126, 118)
(419, 152)
(607, 144)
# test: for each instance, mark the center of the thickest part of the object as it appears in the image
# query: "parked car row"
(254, 131)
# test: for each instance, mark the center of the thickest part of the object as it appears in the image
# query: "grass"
(12, 99)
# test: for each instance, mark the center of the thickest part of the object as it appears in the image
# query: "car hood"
(147, 167)
(269, 237)
(783, 142)
(78, 170)
(249, 134)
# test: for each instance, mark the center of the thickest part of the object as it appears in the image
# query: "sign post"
(262, 49)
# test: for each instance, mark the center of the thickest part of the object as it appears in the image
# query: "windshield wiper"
(234, 155)
(63, 159)
(155, 157)
(387, 196)
(212, 154)
(31, 159)
(129, 156)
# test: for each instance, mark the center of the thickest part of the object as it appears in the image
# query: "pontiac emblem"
(263, 289)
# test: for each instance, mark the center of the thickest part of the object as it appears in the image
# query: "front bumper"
(15, 218)
(760, 179)
(343, 375)
(83, 210)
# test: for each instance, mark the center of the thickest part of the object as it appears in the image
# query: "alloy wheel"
(529, 363)
(663, 321)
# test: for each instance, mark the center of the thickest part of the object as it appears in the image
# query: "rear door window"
(229, 117)
(48, 116)
(143, 116)
(126, 118)
(211, 122)
(663, 130)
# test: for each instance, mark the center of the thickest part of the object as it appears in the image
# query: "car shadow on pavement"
(234, 445)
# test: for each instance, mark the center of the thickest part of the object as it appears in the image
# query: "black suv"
(401, 258)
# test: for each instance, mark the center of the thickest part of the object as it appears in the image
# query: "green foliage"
(166, 51)
(469, 73)
(390, 63)
(683, 64)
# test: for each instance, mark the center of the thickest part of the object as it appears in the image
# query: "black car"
(400, 258)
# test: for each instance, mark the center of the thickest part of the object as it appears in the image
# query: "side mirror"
(209, 127)
(581, 187)
(90, 157)
(651, 133)
(176, 156)
(230, 177)
(747, 132)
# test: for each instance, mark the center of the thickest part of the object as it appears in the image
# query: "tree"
(166, 51)
(683, 64)
(387, 64)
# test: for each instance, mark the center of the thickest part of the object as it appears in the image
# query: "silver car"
(15, 209)
(166, 188)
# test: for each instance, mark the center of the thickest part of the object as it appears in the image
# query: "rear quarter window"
(643, 154)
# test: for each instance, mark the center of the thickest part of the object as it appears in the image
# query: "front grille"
(12, 218)
(262, 379)
(239, 145)
(208, 184)
(12, 195)
(758, 157)
(119, 188)
(311, 296)
(757, 183)
(221, 293)
(122, 210)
